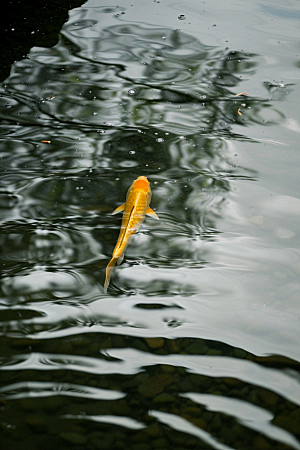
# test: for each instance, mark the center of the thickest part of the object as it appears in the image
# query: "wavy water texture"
(195, 345)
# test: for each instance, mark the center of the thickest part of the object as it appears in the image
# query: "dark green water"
(196, 343)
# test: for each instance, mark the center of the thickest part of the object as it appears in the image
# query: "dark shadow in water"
(28, 24)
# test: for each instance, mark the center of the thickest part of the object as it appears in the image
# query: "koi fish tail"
(109, 270)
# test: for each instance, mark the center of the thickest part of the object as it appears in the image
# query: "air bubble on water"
(181, 17)
(94, 113)
(132, 91)
(167, 134)
(182, 138)
(243, 105)
(132, 152)
(280, 85)
(99, 131)
(159, 140)
(164, 37)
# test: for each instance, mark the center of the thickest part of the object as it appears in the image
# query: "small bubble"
(132, 152)
(94, 113)
(182, 138)
(99, 131)
(159, 140)
(164, 37)
(132, 91)
(181, 17)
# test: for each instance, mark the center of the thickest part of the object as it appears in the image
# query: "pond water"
(195, 345)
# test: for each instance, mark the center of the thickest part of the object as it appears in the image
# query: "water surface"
(196, 343)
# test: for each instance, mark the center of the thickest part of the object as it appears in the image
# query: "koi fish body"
(134, 212)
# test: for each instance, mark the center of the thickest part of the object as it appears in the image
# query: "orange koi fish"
(135, 209)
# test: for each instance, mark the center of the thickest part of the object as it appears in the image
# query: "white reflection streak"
(183, 425)
(46, 361)
(121, 421)
(31, 389)
(131, 361)
(248, 415)
(217, 366)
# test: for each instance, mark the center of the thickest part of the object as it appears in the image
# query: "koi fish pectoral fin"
(152, 214)
(119, 209)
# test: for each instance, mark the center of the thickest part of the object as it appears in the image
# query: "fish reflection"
(135, 209)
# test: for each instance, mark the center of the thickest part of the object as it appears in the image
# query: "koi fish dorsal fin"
(119, 209)
(152, 214)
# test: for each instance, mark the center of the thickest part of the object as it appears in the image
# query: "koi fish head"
(142, 183)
